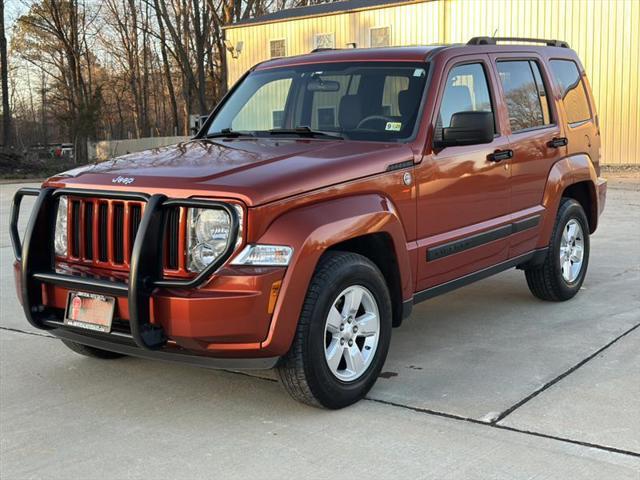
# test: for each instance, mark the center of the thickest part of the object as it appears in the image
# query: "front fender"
(564, 173)
(311, 230)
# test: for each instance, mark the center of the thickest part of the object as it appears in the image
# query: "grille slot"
(118, 233)
(88, 230)
(103, 219)
(76, 228)
(135, 217)
(172, 237)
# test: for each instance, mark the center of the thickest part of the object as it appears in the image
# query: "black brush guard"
(36, 254)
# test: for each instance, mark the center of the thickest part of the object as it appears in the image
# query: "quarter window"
(524, 94)
(466, 90)
(573, 93)
(278, 48)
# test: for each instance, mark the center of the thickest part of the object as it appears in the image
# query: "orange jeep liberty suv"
(324, 196)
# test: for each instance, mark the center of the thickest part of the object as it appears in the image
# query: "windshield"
(374, 101)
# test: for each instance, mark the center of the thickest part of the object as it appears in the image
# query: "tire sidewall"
(570, 210)
(336, 393)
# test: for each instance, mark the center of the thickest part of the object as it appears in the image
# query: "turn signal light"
(273, 296)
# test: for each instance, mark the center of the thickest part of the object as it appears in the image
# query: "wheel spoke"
(572, 228)
(577, 254)
(566, 269)
(354, 359)
(367, 325)
(334, 320)
(334, 354)
(352, 301)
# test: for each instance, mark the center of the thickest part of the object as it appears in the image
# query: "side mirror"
(468, 128)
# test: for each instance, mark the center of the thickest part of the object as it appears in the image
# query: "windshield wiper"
(228, 133)
(304, 132)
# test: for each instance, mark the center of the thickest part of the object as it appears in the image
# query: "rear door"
(535, 137)
(463, 196)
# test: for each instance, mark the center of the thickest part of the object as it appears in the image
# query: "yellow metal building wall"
(605, 33)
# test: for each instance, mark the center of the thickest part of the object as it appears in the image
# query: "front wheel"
(561, 275)
(343, 334)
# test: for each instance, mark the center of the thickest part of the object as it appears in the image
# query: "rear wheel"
(343, 333)
(91, 351)
(561, 275)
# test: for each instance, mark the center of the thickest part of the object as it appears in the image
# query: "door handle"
(500, 155)
(558, 142)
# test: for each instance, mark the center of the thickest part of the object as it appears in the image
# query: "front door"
(463, 192)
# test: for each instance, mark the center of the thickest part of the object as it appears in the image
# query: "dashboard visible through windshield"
(372, 101)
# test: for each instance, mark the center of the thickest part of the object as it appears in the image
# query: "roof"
(321, 9)
(386, 54)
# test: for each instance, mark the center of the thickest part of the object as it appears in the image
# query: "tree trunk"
(7, 136)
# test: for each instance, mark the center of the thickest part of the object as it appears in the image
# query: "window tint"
(524, 94)
(572, 90)
(466, 91)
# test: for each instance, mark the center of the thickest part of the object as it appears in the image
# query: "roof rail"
(495, 40)
(323, 49)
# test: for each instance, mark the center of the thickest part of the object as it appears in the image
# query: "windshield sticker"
(393, 126)
(419, 72)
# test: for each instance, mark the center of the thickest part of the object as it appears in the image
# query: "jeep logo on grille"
(123, 180)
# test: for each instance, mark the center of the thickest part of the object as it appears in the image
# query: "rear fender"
(311, 231)
(564, 173)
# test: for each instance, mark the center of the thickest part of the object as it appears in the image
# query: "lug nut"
(355, 329)
(341, 326)
(350, 343)
(342, 341)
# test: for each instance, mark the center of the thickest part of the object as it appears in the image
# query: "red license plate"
(90, 311)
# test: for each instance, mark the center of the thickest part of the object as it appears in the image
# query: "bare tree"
(7, 135)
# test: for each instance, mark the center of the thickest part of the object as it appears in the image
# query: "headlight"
(60, 237)
(264, 256)
(209, 230)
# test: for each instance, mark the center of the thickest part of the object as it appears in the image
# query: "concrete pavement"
(484, 382)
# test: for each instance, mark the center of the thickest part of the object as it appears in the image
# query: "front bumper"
(163, 318)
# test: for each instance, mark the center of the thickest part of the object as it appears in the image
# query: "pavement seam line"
(460, 418)
(563, 375)
(17, 330)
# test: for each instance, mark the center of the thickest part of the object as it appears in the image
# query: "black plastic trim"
(400, 165)
(92, 284)
(122, 344)
(457, 246)
(475, 276)
(16, 242)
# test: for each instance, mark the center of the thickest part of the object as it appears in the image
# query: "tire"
(305, 371)
(556, 280)
(91, 351)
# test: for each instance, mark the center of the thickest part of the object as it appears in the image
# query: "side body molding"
(313, 229)
(564, 173)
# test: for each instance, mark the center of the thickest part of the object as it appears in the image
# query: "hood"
(254, 170)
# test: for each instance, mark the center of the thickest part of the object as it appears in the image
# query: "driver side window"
(466, 90)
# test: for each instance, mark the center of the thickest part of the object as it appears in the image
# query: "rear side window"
(524, 94)
(572, 90)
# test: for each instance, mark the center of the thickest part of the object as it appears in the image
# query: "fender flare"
(564, 173)
(311, 231)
